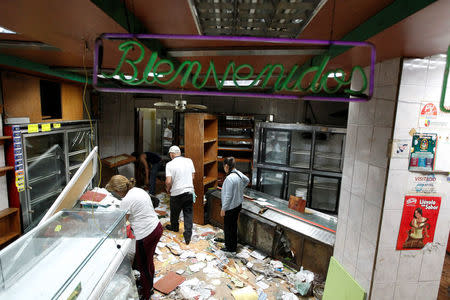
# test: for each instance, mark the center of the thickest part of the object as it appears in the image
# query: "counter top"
(312, 223)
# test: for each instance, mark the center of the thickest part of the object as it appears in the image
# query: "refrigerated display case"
(291, 158)
(72, 255)
(44, 162)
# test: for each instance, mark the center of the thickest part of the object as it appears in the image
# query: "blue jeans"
(152, 179)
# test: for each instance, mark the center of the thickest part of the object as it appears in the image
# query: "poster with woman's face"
(418, 222)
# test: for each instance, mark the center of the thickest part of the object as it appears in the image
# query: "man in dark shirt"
(145, 161)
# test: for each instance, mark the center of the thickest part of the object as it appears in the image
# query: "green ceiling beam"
(387, 17)
(17, 62)
(117, 10)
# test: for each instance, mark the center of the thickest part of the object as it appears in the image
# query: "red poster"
(418, 223)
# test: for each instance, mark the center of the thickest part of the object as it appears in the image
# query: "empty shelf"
(302, 152)
(301, 165)
(209, 180)
(235, 149)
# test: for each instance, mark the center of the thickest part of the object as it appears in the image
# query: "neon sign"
(157, 71)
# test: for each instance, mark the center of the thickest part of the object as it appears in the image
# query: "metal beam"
(17, 62)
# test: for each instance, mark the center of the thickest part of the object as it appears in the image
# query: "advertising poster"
(400, 148)
(423, 183)
(418, 222)
(423, 149)
(431, 117)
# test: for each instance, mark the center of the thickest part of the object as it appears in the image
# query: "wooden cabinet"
(9, 225)
(200, 145)
(22, 98)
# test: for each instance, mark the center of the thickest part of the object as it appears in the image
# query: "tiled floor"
(444, 293)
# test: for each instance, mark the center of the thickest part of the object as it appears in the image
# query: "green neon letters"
(241, 72)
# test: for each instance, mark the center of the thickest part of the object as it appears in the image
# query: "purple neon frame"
(98, 43)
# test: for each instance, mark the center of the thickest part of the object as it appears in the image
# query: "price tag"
(32, 128)
(58, 228)
(46, 127)
(56, 125)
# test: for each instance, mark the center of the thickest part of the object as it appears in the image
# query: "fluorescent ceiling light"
(337, 74)
(240, 82)
(128, 77)
(4, 30)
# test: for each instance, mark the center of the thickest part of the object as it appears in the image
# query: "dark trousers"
(230, 228)
(178, 203)
(145, 250)
(152, 179)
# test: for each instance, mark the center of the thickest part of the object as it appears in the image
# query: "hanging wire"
(332, 20)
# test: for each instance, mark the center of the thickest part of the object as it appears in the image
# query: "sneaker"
(169, 227)
(187, 241)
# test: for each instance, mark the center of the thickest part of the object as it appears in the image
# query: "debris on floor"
(211, 273)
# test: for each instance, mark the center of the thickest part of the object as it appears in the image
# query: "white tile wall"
(359, 181)
(409, 266)
(386, 265)
(375, 185)
(384, 291)
(347, 173)
(407, 115)
(384, 113)
(411, 93)
(396, 189)
(389, 228)
(366, 114)
(364, 173)
(427, 290)
(387, 92)
(432, 262)
(366, 255)
(350, 141)
(363, 143)
(371, 222)
(344, 203)
(405, 290)
(415, 274)
(380, 145)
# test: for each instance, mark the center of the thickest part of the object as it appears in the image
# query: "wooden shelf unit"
(9, 225)
(200, 145)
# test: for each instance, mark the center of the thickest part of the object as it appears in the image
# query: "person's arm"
(147, 176)
(226, 196)
(245, 179)
(168, 183)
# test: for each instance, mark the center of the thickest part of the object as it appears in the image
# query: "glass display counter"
(74, 253)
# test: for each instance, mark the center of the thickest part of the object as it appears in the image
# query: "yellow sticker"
(20, 189)
(56, 125)
(46, 127)
(58, 228)
(33, 128)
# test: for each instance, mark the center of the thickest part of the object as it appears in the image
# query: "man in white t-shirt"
(180, 174)
(167, 138)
